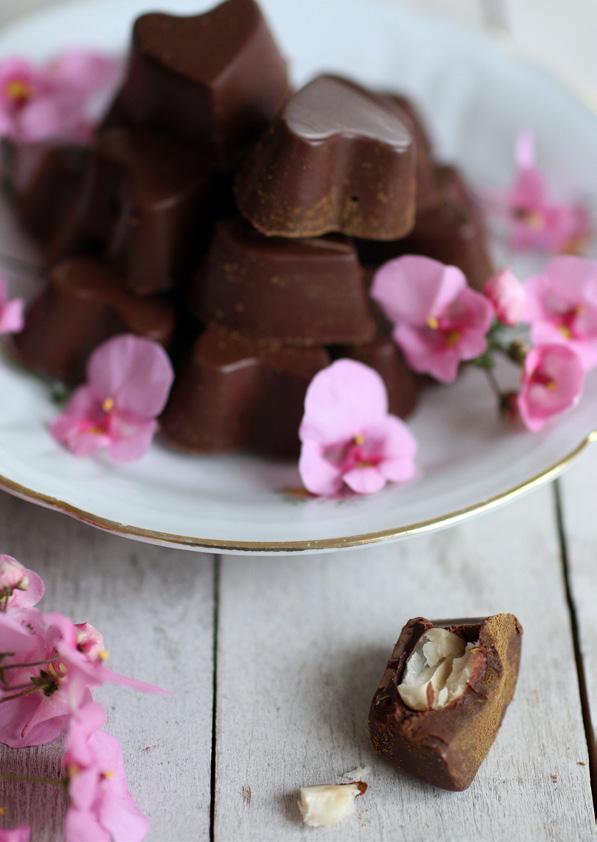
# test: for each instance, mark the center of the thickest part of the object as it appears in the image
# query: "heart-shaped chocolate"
(216, 78)
(336, 159)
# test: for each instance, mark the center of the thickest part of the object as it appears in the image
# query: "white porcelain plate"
(476, 96)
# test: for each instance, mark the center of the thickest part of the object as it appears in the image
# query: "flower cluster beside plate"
(476, 96)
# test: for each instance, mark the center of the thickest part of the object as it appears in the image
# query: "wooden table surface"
(273, 661)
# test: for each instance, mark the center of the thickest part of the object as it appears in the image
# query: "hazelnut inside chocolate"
(439, 670)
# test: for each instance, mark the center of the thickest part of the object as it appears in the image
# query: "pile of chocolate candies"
(239, 224)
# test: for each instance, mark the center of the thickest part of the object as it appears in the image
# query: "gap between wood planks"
(217, 568)
(574, 624)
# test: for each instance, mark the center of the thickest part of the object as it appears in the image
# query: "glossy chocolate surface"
(308, 291)
(84, 304)
(336, 159)
(383, 355)
(233, 393)
(427, 180)
(216, 78)
(445, 746)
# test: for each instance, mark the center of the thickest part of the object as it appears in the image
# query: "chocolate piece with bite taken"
(233, 393)
(336, 159)
(383, 355)
(308, 291)
(444, 693)
(451, 231)
(141, 208)
(84, 304)
(217, 78)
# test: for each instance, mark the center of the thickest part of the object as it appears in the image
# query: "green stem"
(11, 777)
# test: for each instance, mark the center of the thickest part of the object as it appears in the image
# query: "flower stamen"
(108, 405)
(452, 338)
(18, 90)
(432, 323)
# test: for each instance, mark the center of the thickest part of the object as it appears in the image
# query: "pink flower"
(128, 382)
(19, 587)
(438, 320)
(39, 103)
(101, 807)
(55, 673)
(553, 380)
(562, 306)
(11, 311)
(19, 834)
(538, 221)
(507, 295)
(83, 73)
(348, 438)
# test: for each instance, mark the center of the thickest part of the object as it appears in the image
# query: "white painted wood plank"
(303, 643)
(579, 501)
(155, 608)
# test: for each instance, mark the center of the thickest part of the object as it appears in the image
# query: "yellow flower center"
(18, 90)
(108, 405)
(565, 331)
(108, 774)
(103, 655)
(432, 322)
(452, 338)
(552, 386)
(359, 439)
(2, 811)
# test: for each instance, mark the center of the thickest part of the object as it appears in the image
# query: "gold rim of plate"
(589, 101)
(339, 543)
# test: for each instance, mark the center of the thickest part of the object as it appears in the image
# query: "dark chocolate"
(308, 291)
(47, 184)
(141, 208)
(383, 355)
(446, 746)
(426, 175)
(233, 393)
(335, 159)
(451, 231)
(83, 305)
(216, 78)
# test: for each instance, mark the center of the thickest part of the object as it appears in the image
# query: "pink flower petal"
(341, 400)
(12, 316)
(134, 443)
(18, 834)
(84, 72)
(366, 480)
(319, 476)
(82, 826)
(135, 373)
(411, 289)
(46, 117)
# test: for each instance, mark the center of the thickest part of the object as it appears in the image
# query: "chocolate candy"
(426, 175)
(383, 355)
(437, 714)
(47, 182)
(308, 291)
(141, 209)
(216, 78)
(233, 393)
(84, 304)
(336, 159)
(451, 231)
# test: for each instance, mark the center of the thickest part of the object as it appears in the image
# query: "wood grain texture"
(155, 608)
(302, 644)
(578, 502)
